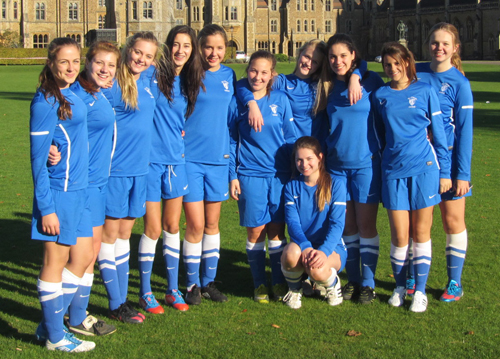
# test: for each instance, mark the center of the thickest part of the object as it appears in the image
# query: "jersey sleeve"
(288, 126)
(43, 122)
(336, 217)
(361, 70)
(243, 93)
(463, 131)
(439, 140)
(112, 93)
(233, 137)
(292, 220)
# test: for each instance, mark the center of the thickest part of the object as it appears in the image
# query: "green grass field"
(242, 328)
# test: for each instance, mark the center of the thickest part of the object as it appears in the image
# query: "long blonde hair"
(124, 74)
(456, 61)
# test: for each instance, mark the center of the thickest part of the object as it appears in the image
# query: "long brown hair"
(263, 54)
(47, 83)
(324, 185)
(351, 46)
(456, 61)
(402, 55)
(124, 74)
(99, 46)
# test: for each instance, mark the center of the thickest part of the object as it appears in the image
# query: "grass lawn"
(242, 328)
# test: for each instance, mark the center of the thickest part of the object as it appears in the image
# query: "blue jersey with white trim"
(455, 98)
(407, 114)
(71, 139)
(167, 144)
(100, 124)
(133, 130)
(353, 139)
(262, 154)
(307, 226)
(206, 136)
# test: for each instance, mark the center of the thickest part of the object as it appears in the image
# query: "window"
(298, 45)
(262, 45)
(4, 9)
(328, 5)
(305, 26)
(305, 5)
(15, 10)
(73, 11)
(469, 30)
(179, 22)
(312, 5)
(178, 4)
(348, 26)
(349, 5)
(134, 10)
(101, 22)
(313, 26)
(147, 9)
(328, 26)
(273, 47)
(196, 13)
(226, 13)
(102, 2)
(298, 5)
(273, 5)
(234, 13)
(40, 41)
(298, 25)
(274, 26)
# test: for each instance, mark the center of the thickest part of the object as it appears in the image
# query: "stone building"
(280, 26)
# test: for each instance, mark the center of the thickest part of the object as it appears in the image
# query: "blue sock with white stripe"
(422, 256)
(456, 248)
(399, 264)
(171, 252)
(51, 300)
(70, 284)
(352, 266)
(80, 302)
(191, 255)
(107, 266)
(122, 258)
(209, 257)
(368, 251)
(275, 250)
(147, 249)
(256, 253)
(293, 279)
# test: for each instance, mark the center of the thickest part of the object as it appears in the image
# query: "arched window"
(313, 26)
(298, 25)
(305, 5)
(305, 26)
(312, 5)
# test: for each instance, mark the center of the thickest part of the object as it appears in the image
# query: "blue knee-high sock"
(399, 263)
(171, 252)
(191, 255)
(368, 251)
(70, 283)
(80, 302)
(256, 253)
(147, 249)
(352, 263)
(275, 251)
(107, 266)
(410, 259)
(456, 247)
(422, 255)
(122, 258)
(293, 279)
(51, 300)
(209, 258)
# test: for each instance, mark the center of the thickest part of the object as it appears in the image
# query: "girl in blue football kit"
(61, 210)
(259, 168)
(415, 167)
(315, 215)
(134, 103)
(206, 143)
(353, 154)
(175, 83)
(445, 74)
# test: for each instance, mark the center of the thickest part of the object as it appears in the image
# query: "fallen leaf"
(251, 333)
(353, 333)
(19, 349)
(470, 333)
(244, 310)
(275, 326)
(391, 275)
(488, 175)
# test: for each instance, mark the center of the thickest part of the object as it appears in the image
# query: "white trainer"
(293, 299)
(334, 293)
(70, 344)
(419, 302)
(398, 297)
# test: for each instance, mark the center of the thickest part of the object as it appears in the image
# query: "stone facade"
(280, 26)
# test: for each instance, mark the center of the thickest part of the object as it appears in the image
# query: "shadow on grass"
(18, 96)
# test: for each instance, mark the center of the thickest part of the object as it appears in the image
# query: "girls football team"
(168, 130)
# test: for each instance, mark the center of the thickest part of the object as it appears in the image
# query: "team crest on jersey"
(444, 87)
(226, 85)
(274, 108)
(149, 92)
(412, 100)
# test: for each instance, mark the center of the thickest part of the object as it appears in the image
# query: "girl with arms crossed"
(415, 170)
(61, 210)
(259, 168)
(315, 216)
(176, 84)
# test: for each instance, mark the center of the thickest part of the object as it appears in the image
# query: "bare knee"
(290, 259)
